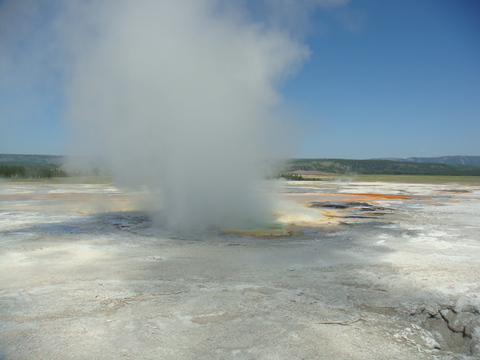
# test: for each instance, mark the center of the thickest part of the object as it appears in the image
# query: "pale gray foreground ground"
(402, 284)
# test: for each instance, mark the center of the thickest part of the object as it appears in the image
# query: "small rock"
(432, 310)
(468, 331)
(462, 320)
(448, 315)
(468, 304)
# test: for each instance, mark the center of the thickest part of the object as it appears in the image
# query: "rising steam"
(178, 96)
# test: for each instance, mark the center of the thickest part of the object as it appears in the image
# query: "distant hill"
(453, 160)
(27, 166)
(30, 160)
(385, 167)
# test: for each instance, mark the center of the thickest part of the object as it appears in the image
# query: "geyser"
(176, 95)
(179, 96)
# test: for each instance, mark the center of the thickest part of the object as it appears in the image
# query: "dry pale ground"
(371, 271)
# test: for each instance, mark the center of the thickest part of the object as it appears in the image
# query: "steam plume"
(179, 93)
(176, 94)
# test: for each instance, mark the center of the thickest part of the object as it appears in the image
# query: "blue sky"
(405, 82)
(385, 78)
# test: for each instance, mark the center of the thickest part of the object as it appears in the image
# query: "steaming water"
(176, 95)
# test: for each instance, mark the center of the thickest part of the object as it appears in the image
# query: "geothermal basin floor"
(386, 271)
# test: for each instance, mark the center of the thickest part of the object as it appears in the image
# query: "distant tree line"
(292, 177)
(37, 167)
(25, 172)
(13, 171)
(380, 167)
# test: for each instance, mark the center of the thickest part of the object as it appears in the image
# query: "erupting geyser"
(179, 94)
(176, 95)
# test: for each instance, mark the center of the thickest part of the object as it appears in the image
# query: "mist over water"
(178, 96)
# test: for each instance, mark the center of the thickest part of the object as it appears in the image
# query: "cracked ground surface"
(363, 271)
